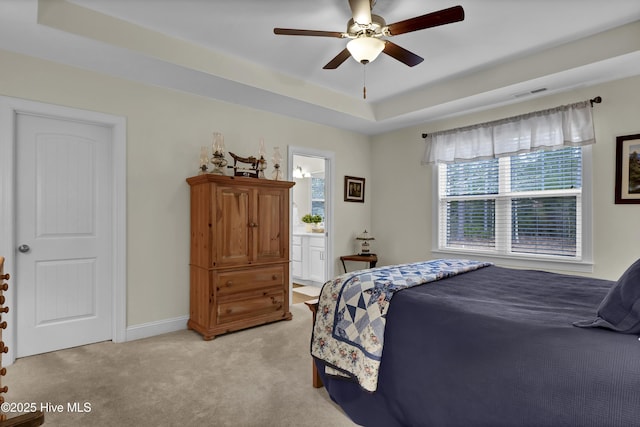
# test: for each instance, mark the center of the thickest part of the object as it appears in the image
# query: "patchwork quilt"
(348, 334)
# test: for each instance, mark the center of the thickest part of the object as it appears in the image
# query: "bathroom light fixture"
(299, 173)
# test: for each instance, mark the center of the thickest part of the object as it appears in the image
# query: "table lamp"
(364, 238)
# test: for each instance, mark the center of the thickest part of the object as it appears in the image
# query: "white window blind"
(528, 204)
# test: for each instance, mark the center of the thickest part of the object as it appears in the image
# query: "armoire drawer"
(245, 280)
(247, 308)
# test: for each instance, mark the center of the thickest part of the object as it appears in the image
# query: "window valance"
(564, 126)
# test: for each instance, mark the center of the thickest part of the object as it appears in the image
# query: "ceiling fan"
(368, 31)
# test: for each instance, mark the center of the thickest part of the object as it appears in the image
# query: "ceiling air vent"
(531, 92)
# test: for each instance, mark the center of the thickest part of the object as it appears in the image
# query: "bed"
(488, 346)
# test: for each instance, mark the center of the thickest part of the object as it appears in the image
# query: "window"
(317, 197)
(528, 205)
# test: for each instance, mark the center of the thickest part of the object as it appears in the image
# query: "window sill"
(518, 261)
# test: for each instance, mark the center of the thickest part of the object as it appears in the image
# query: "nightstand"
(371, 259)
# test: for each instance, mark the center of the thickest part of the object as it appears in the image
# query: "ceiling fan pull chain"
(364, 81)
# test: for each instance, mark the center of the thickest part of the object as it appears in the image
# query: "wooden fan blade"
(401, 54)
(316, 33)
(434, 19)
(361, 11)
(338, 60)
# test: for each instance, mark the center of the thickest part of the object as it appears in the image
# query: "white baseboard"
(146, 330)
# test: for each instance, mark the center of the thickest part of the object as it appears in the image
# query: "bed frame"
(316, 381)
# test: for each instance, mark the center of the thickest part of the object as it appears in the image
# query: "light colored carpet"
(256, 377)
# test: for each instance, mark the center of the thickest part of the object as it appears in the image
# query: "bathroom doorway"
(311, 221)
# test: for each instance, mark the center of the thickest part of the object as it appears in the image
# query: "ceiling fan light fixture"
(365, 49)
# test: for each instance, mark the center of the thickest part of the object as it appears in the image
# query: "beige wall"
(401, 208)
(165, 130)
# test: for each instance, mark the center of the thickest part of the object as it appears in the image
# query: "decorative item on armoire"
(262, 162)
(250, 171)
(218, 149)
(204, 160)
(277, 159)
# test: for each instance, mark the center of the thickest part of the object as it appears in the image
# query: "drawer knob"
(229, 283)
(6, 276)
(274, 277)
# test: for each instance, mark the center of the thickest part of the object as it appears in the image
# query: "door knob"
(24, 248)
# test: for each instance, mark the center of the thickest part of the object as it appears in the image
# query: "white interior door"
(64, 221)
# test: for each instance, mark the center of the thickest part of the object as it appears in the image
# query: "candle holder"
(217, 159)
(262, 162)
(204, 160)
(277, 159)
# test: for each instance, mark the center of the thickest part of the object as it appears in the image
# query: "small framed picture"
(353, 189)
(628, 169)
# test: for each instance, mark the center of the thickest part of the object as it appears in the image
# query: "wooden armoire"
(239, 261)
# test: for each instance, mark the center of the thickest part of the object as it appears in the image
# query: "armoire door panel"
(270, 233)
(233, 218)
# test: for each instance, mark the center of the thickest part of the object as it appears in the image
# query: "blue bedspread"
(349, 331)
(497, 347)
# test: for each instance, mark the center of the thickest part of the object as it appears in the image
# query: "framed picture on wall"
(628, 169)
(353, 189)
